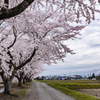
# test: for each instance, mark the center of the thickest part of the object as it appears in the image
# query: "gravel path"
(31, 94)
(41, 91)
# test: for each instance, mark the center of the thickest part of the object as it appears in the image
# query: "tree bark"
(6, 2)
(24, 81)
(8, 13)
(7, 86)
(7, 82)
(19, 82)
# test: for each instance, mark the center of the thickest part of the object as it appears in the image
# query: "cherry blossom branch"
(28, 60)
(8, 13)
(14, 33)
(6, 2)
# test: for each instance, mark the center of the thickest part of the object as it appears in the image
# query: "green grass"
(72, 93)
(23, 92)
(69, 86)
(75, 86)
(72, 81)
(16, 99)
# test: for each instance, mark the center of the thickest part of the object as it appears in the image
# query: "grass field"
(69, 87)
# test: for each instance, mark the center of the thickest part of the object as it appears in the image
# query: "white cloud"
(87, 57)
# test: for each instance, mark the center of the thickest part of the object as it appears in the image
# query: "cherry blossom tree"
(86, 8)
(38, 33)
(29, 72)
(26, 39)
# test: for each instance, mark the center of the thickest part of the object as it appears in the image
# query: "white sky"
(87, 58)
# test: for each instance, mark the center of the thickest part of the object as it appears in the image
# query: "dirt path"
(41, 91)
(31, 94)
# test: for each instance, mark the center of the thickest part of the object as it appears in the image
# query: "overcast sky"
(87, 58)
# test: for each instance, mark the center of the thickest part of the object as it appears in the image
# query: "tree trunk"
(19, 82)
(7, 82)
(8, 13)
(7, 86)
(24, 81)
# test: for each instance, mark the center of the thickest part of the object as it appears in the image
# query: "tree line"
(32, 33)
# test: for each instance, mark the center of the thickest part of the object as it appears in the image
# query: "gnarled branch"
(8, 13)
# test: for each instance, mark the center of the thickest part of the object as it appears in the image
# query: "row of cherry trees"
(36, 35)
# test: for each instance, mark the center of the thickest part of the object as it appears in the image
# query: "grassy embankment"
(69, 86)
